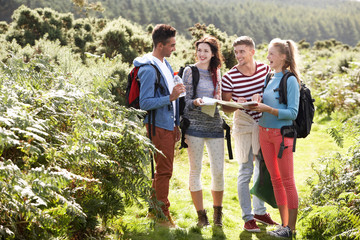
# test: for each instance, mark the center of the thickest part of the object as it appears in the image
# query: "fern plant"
(333, 207)
(80, 156)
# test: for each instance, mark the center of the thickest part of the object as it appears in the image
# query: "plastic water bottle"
(178, 80)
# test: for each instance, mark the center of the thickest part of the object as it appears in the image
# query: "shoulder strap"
(283, 87)
(151, 113)
(267, 79)
(196, 78)
(158, 75)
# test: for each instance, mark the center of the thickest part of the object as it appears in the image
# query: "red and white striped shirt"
(241, 85)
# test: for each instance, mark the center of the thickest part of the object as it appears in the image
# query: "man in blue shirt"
(165, 101)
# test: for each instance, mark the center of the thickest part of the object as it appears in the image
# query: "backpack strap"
(228, 138)
(283, 87)
(196, 78)
(286, 131)
(267, 80)
(151, 115)
(185, 123)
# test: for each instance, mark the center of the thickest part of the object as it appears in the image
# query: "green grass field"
(308, 150)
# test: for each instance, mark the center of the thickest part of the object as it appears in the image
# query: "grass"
(308, 150)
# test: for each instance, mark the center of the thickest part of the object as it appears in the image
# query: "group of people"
(254, 127)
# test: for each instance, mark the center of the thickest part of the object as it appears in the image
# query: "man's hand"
(227, 97)
(256, 98)
(177, 90)
(177, 134)
(241, 100)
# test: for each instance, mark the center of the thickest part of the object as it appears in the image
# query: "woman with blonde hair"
(282, 58)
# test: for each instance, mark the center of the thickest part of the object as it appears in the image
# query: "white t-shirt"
(168, 76)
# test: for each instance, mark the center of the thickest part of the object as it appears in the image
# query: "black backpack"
(196, 78)
(185, 123)
(302, 124)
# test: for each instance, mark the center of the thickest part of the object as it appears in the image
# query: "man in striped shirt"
(239, 84)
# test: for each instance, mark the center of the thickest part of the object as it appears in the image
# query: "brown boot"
(202, 218)
(218, 216)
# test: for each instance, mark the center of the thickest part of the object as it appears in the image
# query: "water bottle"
(178, 80)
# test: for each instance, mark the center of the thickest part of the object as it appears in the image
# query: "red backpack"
(133, 100)
(133, 87)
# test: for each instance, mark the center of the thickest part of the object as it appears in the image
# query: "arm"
(218, 86)
(261, 107)
(226, 96)
(290, 112)
(149, 100)
(293, 96)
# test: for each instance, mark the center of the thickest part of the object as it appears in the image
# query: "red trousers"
(164, 140)
(281, 170)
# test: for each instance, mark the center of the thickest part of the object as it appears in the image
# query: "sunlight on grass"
(308, 150)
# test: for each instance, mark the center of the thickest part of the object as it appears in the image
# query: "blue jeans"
(245, 173)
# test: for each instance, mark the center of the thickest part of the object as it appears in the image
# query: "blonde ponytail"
(288, 47)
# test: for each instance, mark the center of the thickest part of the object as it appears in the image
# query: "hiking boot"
(251, 226)
(265, 219)
(151, 215)
(282, 232)
(203, 220)
(218, 216)
(168, 222)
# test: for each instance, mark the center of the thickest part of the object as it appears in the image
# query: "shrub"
(121, 37)
(77, 154)
(333, 206)
(30, 25)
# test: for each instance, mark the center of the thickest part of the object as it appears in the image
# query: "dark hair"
(162, 32)
(244, 40)
(287, 47)
(216, 60)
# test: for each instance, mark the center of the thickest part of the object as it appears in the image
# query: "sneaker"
(283, 232)
(265, 219)
(278, 227)
(251, 226)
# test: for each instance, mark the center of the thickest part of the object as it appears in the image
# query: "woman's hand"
(197, 102)
(261, 107)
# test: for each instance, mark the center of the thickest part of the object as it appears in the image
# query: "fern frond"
(337, 136)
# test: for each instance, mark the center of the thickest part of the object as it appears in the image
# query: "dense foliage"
(333, 208)
(263, 20)
(70, 155)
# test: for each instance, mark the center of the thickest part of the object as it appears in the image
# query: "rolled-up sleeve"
(149, 100)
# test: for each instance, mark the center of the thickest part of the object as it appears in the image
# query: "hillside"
(263, 20)
(75, 164)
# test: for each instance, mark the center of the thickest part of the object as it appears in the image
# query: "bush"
(70, 155)
(30, 25)
(333, 208)
(121, 37)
